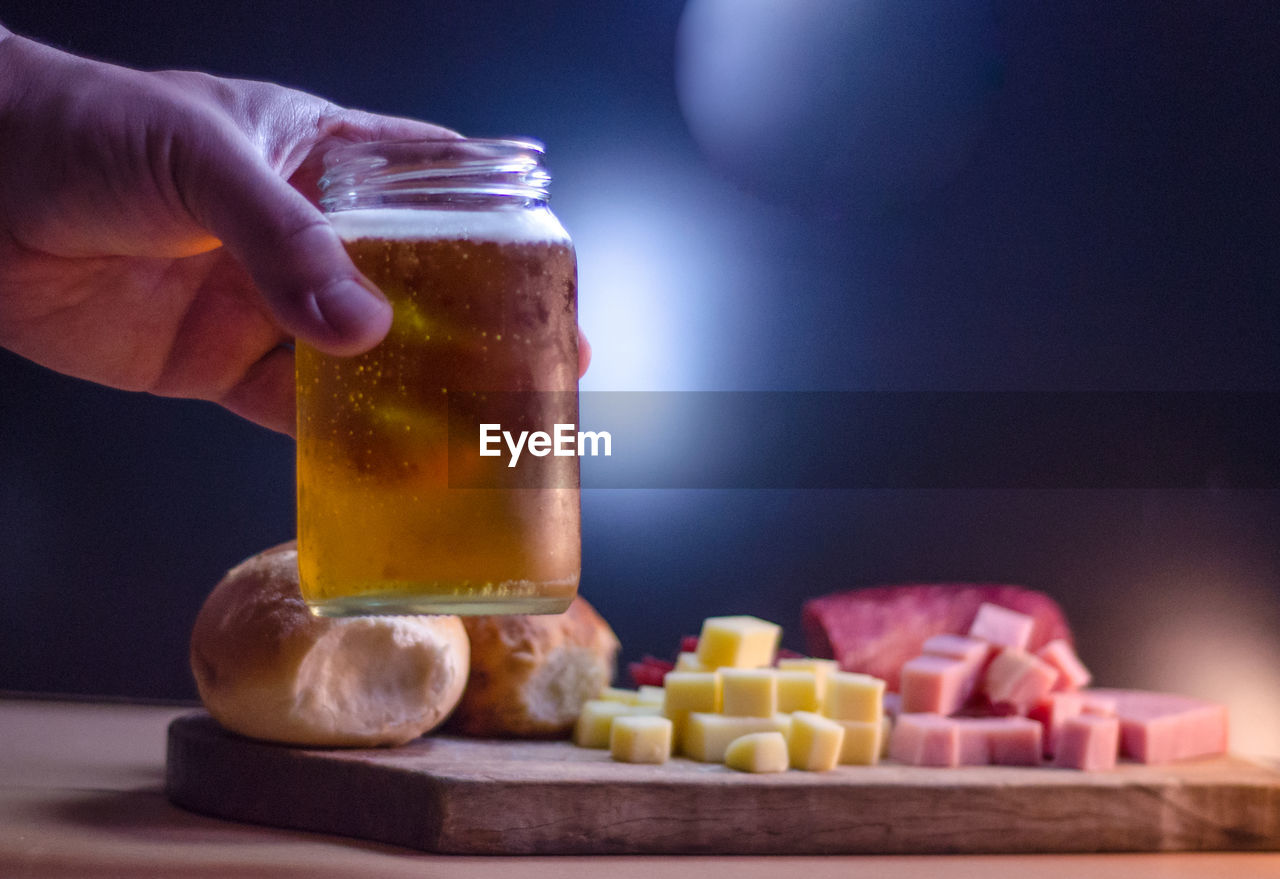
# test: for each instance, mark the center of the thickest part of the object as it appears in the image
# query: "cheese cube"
(852, 696)
(691, 691)
(798, 690)
(596, 719)
(689, 662)
(737, 642)
(886, 730)
(649, 695)
(685, 692)
(618, 694)
(749, 692)
(640, 739)
(707, 736)
(758, 752)
(814, 742)
(821, 668)
(864, 743)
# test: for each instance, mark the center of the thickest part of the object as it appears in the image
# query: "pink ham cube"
(1002, 627)
(1087, 742)
(876, 630)
(1162, 727)
(1072, 675)
(1052, 711)
(974, 740)
(1000, 741)
(963, 647)
(934, 740)
(1017, 680)
(925, 740)
(1093, 702)
(1013, 741)
(937, 684)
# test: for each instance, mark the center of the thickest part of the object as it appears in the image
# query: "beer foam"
(502, 226)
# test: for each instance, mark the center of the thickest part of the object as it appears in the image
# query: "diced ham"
(925, 740)
(876, 630)
(936, 684)
(1011, 741)
(934, 740)
(1087, 742)
(1072, 675)
(1052, 712)
(957, 647)
(974, 741)
(1002, 627)
(1017, 680)
(1161, 727)
(1093, 702)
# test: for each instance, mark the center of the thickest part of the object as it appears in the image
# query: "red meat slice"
(876, 630)
(650, 671)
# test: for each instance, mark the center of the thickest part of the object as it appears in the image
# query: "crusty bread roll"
(531, 674)
(267, 668)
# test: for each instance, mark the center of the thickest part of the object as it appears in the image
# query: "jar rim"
(433, 146)
(435, 172)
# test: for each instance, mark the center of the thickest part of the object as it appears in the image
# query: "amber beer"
(485, 302)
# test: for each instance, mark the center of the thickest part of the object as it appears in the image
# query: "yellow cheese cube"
(618, 694)
(707, 736)
(853, 696)
(687, 691)
(862, 743)
(749, 692)
(689, 662)
(798, 690)
(758, 752)
(596, 719)
(640, 739)
(886, 727)
(814, 742)
(737, 642)
(822, 669)
(648, 695)
(691, 691)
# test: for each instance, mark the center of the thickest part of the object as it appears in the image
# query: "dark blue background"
(936, 196)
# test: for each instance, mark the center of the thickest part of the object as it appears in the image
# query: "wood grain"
(477, 796)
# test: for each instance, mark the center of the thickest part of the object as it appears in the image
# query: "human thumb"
(288, 247)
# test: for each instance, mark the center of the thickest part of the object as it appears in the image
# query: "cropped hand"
(158, 231)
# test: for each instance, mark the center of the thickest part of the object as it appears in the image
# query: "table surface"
(81, 795)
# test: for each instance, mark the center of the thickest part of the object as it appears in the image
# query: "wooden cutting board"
(474, 796)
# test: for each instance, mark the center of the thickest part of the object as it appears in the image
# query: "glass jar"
(392, 516)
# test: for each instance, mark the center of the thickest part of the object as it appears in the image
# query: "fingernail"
(352, 310)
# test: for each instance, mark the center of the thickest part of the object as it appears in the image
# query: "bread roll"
(531, 674)
(268, 669)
